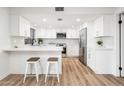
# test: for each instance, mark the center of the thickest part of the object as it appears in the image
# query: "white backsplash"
(17, 42)
(72, 45)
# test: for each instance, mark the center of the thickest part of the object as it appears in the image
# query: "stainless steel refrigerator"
(83, 46)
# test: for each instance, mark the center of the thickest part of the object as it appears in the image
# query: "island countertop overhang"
(48, 48)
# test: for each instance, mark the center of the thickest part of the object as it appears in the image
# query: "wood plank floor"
(74, 74)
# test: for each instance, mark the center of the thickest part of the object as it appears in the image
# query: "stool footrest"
(52, 75)
(30, 75)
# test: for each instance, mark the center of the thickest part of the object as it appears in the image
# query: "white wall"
(4, 42)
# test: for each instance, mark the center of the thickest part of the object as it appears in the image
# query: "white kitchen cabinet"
(19, 26)
(103, 60)
(72, 33)
(104, 25)
(72, 48)
(68, 33)
(46, 33)
(40, 33)
(50, 33)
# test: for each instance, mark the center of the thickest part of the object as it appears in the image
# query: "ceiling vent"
(59, 19)
(59, 9)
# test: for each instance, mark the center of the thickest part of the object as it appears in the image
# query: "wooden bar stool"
(32, 61)
(52, 60)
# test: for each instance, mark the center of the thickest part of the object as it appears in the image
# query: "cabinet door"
(95, 28)
(104, 25)
(98, 24)
(14, 25)
(53, 33)
(50, 33)
(22, 26)
(40, 33)
(43, 33)
(69, 33)
(75, 34)
(27, 29)
(103, 59)
(108, 25)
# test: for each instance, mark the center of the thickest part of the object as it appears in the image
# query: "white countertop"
(107, 49)
(35, 48)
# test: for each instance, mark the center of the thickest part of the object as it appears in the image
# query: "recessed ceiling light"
(44, 19)
(78, 19)
(59, 19)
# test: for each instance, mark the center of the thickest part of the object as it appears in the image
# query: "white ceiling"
(69, 16)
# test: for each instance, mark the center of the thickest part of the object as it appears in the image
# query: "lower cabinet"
(72, 48)
(103, 61)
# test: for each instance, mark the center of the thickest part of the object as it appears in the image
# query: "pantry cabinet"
(19, 26)
(104, 25)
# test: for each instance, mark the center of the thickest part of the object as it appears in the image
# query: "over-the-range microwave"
(61, 35)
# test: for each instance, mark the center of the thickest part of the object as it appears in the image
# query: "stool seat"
(33, 59)
(52, 59)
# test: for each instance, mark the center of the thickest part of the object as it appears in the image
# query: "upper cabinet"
(40, 33)
(19, 26)
(104, 25)
(72, 33)
(46, 33)
(51, 33)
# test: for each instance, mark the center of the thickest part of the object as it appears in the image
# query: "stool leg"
(36, 72)
(57, 71)
(25, 72)
(31, 66)
(47, 70)
(41, 67)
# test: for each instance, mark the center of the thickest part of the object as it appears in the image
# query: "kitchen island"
(18, 57)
